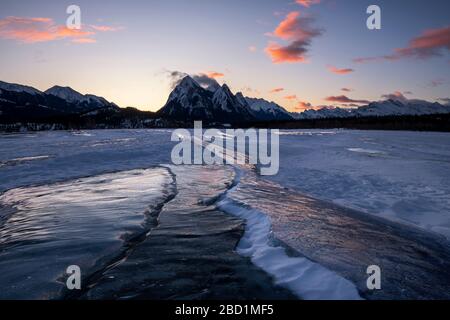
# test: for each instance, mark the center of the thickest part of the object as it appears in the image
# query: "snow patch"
(306, 279)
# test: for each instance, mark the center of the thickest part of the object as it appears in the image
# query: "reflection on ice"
(415, 264)
(86, 222)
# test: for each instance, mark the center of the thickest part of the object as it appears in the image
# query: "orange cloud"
(292, 97)
(299, 31)
(345, 99)
(276, 90)
(307, 3)
(335, 70)
(292, 53)
(302, 106)
(430, 43)
(33, 30)
(215, 75)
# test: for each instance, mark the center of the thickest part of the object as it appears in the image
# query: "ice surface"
(403, 176)
(46, 157)
(85, 222)
(308, 280)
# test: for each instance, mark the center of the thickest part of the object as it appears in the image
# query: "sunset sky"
(298, 53)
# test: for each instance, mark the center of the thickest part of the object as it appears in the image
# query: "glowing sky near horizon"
(298, 53)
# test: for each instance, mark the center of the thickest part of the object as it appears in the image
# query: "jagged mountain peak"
(190, 101)
(188, 82)
(267, 110)
(213, 87)
(225, 87)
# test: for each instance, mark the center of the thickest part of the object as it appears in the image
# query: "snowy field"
(403, 176)
(55, 186)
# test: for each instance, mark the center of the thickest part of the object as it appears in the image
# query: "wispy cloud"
(347, 89)
(276, 90)
(302, 106)
(307, 3)
(397, 95)
(203, 79)
(249, 90)
(344, 99)
(300, 32)
(215, 74)
(436, 83)
(252, 49)
(431, 43)
(33, 30)
(336, 70)
(291, 97)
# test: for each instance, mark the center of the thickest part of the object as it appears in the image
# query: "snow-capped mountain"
(18, 102)
(87, 102)
(18, 88)
(224, 99)
(378, 109)
(322, 113)
(266, 111)
(190, 101)
(399, 108)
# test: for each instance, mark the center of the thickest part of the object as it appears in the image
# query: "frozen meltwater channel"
(88, 222)
(320, 250)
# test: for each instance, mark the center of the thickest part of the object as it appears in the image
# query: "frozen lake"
(342, 200)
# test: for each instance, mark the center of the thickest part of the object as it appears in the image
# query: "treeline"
(439, 122)
(126, 118)
(130, 118)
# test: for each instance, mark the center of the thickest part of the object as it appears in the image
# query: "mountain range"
(190, 101)
(187, 102)
(19, 103)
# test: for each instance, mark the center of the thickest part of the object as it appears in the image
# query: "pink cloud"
(397, 95)
(252, 49)
(291, 97)
(430, 43)
(215, 74)
(299, 31)
(33, 30)
(302, 106)
(344, 99)
(276, 90)
(307, 3)
(335, 70)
